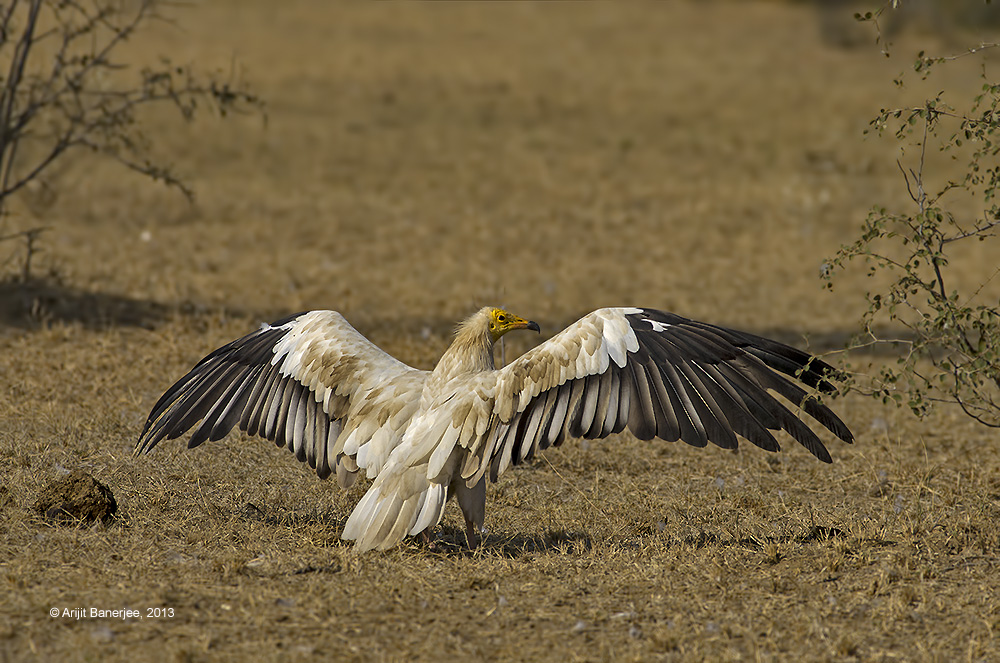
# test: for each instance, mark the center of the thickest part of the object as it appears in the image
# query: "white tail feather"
(382, 521)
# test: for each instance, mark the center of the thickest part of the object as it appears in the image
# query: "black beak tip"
(534, 326)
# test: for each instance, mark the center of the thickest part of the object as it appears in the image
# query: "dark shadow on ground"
(445, 540)
(450, 541)
(815, 534)
(38, 303)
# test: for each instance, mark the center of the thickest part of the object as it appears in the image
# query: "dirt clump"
(77, 497)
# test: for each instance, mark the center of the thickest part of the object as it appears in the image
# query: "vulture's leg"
(473, 504)
(471, 535)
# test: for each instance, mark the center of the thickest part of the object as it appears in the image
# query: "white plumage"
(312, 383)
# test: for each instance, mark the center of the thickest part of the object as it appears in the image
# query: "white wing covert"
(660, 375)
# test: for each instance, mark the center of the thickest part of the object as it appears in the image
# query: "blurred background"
(418, 161)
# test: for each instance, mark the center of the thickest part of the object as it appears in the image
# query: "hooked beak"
(530, 324)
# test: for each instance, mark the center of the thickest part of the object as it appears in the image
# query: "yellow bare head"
(501, 322)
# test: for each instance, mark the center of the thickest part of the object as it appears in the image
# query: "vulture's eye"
(501, 317)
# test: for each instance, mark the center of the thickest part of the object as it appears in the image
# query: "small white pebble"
(879, 425)
(102, 634)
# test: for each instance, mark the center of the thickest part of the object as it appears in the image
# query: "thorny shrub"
(951, 351)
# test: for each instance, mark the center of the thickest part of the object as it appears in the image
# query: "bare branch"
(30, 237)
(906, 178)
(920, 169)
(154, 172)
(983, 46)
(57, 150)
(69, 103)
(5, 19)
(980, 231)
(9, 94)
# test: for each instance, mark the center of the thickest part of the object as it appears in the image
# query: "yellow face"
(502, 321)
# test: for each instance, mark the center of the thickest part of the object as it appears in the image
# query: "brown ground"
(420, 161)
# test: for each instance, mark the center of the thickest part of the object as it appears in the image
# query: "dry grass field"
(419, 161)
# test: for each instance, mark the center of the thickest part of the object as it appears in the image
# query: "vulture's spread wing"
(310, 382)
(313, 383)
(659, 375)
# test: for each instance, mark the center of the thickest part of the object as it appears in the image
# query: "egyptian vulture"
(312, 383)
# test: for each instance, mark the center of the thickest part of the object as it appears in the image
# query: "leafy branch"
(951, 353)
